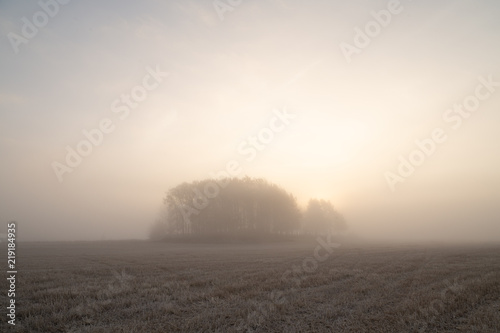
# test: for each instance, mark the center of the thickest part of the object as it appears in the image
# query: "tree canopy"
(321, 217)
(233, 205)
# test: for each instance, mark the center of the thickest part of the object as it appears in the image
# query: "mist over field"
(250, 166)
(389, 110)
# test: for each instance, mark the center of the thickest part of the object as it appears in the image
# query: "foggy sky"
(227, 79)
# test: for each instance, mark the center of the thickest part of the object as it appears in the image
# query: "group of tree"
(234, 206)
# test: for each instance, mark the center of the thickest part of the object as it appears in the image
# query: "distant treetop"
(241, 205)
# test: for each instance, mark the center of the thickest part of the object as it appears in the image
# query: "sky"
(389, 109)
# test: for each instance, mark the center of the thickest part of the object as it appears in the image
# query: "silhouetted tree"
(248, 206)
(320, 217)
(229, 205)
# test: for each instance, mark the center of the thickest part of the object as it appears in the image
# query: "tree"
(229, 206)
(320, 217)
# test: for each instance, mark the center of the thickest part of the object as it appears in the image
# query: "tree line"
(241, 205)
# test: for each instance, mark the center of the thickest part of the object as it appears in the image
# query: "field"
(139, 286)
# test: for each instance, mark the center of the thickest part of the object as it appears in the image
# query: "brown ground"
(138, 286)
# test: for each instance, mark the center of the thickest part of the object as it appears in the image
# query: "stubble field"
(139, 286)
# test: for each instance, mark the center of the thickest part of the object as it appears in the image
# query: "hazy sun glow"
(323, 142)
(355, 119)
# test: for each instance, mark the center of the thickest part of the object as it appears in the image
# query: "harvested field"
(136, 286)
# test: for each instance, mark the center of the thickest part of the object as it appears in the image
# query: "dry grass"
(158, 287)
